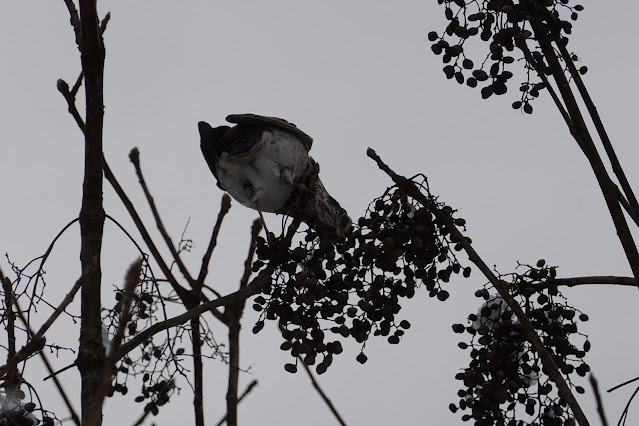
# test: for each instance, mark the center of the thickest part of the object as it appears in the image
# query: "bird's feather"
(259, 120)
(263, 163)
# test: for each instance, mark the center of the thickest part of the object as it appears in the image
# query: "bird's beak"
(343, 226)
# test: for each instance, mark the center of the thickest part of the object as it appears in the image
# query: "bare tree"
(523, 340)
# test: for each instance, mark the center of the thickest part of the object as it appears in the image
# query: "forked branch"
(532, 336)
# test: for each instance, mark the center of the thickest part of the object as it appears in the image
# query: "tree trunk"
(91, 353)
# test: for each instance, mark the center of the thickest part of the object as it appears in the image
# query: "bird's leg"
(259, 210)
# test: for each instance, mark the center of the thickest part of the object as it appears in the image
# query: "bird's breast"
(257, 174)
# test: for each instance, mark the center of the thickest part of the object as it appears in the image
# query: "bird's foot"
(259, 210)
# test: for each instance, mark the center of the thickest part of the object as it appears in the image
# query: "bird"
(263, 163)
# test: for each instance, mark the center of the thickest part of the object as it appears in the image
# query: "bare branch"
(248, 390)
(184, 294)
(33, 346)
(582, 136)
(600, 408)
(131, 281)
(69, 96)
(134, 156)
(198, 367)
(104, 22)
(601, 130)
(521, 44)
(74, 416)
(575, 281)
(37, 342)
(233, 314)
(198, 372)
(91, 352)
(44, 258)
(320, 391)
(13, 379)
(8, 303)
(251, 289)
(532, 336)
(224, 209)
(622, 384)
(75, 22)
(248, 263)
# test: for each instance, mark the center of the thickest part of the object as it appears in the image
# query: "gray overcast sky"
(352, 75)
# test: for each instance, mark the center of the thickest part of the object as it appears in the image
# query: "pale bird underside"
(263, 163)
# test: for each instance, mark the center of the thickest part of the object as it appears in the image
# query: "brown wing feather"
(260, 120)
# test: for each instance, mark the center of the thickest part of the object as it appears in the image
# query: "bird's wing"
(259, 120)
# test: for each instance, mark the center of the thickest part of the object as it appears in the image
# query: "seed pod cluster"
(17, 412)
(323, 292)
(505, 376)
(157, 360)
(507, 26)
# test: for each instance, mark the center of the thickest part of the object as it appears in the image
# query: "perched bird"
(263, 163)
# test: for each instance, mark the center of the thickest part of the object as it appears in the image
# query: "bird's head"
(318, 209)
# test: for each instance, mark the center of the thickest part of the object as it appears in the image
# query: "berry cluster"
(354, 288)
(155, 360)
(507, 25)
(504, 372)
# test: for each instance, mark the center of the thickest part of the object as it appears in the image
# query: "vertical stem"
(198, 372)
(600, 408)
(584, 139)
(601, 130)
(233, 313)
(234, 365)
(198, 367)
(91, 353)
(12, 382)
(8, 302)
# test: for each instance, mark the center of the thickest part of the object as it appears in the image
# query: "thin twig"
(43, 260)
(224, 209)
(521, 44)
(532, 336)
(248, 263)
(74, 416)
(63, 88)
(143, 417)
(576, 281)
(252, 288)
(626, 409)
(622, 384)
(104, 22)
(134, 156)
(320, 391)
(248, 390)
(37, 341)
(185, 295)
(75, 22)
(600, 408)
